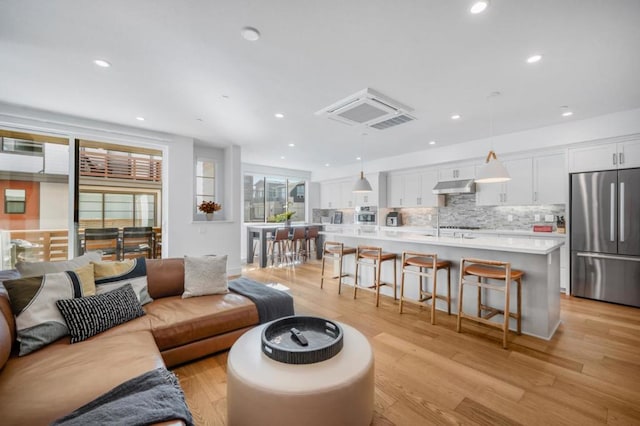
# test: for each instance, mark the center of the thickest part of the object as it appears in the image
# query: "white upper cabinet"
(611, 156)
(517, 191)
(330, 195)
(347, 196)
(367, 198)
(457, 173)
(630, 152)
(412, 189)
(550, 178)
(395, 191)
(429, 180)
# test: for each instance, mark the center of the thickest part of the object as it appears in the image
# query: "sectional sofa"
(51, 382)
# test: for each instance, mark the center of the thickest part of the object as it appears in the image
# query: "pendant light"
(362, 184)
(493, 170)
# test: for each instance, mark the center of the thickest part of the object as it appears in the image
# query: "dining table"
(263, 231)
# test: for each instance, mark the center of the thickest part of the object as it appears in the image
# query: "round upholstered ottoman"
(338, 391)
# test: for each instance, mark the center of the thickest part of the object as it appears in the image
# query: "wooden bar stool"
(280, 240)
(335, 251)
(298, 245)
(312, 240)
(374, 257)
(494, 270)
(430, 262)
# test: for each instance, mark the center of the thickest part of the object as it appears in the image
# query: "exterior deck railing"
(45, 245)
(114, 166)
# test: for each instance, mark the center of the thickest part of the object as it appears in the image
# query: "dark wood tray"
(325, 340)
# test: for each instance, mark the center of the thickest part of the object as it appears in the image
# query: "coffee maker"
(394, 219)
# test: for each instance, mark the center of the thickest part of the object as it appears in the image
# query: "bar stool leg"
(519, 281)
(395, 283)
(402, 284)
(433, 296)
(507, 282)
(355, 284)
(322, 273)
(449, 290)
(340, 275)
(460, 293)
(378, 268)
(479, 297)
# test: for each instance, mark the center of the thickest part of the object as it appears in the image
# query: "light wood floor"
(588, 374)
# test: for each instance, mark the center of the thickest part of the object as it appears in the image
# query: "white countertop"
(449, 231)
(512, 244)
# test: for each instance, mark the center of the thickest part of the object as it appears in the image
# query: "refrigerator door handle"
(612, 207)
(622, 212)
(608, 256)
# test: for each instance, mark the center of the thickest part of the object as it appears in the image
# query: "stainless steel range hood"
(466, 186)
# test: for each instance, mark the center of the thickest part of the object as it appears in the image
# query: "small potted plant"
(208, 207)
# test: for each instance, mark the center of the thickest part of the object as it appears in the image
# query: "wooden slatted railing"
(114, 166)
(50, 245)
(46, 245)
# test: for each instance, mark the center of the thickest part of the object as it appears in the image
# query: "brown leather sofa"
(47, 384)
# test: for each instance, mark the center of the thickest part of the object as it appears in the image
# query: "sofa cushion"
(88, 316)
(33, 269)
(33, 301)
(176, 321)
(165, 277)
(205, 275)
(111, 275)
(58, 379)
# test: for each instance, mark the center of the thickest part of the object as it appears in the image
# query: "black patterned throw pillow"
(88, 316)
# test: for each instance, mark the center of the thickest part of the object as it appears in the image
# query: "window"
(15, 201)
(205, 181)
(22, 146)
(106, 210)
(265, 197)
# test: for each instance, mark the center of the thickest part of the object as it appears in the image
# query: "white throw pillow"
(34, 269)
(205, 275)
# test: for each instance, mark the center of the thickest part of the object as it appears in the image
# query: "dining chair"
(105, 240)
(137, 241)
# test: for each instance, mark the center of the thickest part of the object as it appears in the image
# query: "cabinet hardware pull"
(608, 256)
(615, 158)
(621, 158)
(612, 213)
(621, 238)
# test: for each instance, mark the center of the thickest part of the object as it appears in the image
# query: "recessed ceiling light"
(432, 142)
(479, 7)
(291, 145)
(282, 157)
(327, 165)
(250, 33)
(278, 115)
(358, 158)
(140, 118)
(455, 117)
(567, 114)
(102, 63)
(533, 59)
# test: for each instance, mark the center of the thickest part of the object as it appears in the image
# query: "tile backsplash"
(461, 210)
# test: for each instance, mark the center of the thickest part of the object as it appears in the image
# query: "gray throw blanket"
(150, 398)
(271, 304)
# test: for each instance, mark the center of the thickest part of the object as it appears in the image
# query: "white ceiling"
(174, 60)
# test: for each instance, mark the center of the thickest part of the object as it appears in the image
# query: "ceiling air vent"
(368, 108)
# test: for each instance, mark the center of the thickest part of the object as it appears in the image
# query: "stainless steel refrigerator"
(605, 236)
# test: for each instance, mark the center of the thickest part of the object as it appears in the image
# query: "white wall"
(561, 135)
(54, 205)
(181, 235)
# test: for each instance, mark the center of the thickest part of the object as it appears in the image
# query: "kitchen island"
(538, 258)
